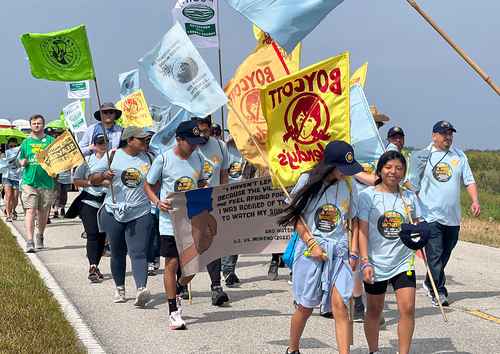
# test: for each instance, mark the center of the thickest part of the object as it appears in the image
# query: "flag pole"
(459, 50)
(105, 136)
(220, 67)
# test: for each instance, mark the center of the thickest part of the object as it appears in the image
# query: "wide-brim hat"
(415, 237)
(379, 116)
(108, 106)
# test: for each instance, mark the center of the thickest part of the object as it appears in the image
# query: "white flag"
(75, 117)
(199, 20)
(178, 71)
(129, 82)
(78, 90)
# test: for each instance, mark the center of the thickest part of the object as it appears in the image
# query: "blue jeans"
(154, 244)
(441, 243)
(229, 264)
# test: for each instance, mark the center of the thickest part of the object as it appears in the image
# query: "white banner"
(129, 82)
(239, 218)
(75, 117)
(199, 20)
(78, 90)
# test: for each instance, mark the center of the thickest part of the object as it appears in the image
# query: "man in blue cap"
(396, 139)
(437, 173)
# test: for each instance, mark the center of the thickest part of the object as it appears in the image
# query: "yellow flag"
(63, 154)
(304, 112)
(260, 68)
(135, 110)
(359, 76)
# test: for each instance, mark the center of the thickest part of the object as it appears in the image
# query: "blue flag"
(178, 71)
(164, 139)
(129, 82)
(365, 138)
(286, 21)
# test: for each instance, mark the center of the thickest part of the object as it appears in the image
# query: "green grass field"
(30, 318)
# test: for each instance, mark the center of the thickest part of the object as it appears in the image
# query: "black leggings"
(95, 239)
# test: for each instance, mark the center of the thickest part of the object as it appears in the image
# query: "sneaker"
(444, 300)
(14, 215)
(289, 352)
(99, 274)
(178, 300)
(328, 315)
(151, 269)
(93, 276)
(176, 321)
(8, 219)
(120, 295)
(427, 289)
(272, 273)
(56, 214)
(290, 279)
(39, 242)
(62, 212)
(182, 291)
(219, 297)
(30, 247)
(231, 280)
(156, 263)
(83, 235)
(381, 324)
(359, 311)
(142, 298)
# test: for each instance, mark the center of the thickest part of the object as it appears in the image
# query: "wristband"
(354, 256)
(365, 265)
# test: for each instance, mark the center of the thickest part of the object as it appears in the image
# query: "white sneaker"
(142, 298)
(427, 290)
(176, 321)
(119, 295)
(157, 263)
(151, 269)
(39, 242)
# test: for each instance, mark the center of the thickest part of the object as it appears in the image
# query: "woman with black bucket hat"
(322, 271)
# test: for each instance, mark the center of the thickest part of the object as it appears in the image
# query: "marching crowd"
(355, 235)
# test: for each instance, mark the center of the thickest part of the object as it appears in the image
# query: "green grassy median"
(31, 320)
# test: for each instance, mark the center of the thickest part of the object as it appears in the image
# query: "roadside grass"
(481, 232)
(31, 320)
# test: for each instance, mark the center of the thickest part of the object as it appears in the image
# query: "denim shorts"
(10, 182)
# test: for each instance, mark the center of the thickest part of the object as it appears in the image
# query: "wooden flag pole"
(105, 137)
(459, 50)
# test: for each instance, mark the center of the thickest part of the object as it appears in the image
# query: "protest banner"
(359, 76)
(62, 155)
(74, 116)
(164, 138)
(129, 82)
(179, 72)
(239, 218)
(60, 56)
(260, 68)
(199, 20)
(135, 110)
(78, 90)
(305, 111)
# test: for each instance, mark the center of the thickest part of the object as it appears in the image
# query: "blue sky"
(413, 75)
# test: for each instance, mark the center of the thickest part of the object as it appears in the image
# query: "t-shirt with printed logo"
(236, 161)
(33, 174)
(216, 159)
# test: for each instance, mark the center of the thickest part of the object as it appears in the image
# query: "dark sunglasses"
(108, 112)
(12, 146)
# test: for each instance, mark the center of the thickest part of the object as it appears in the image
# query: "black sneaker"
(62, 212)
(231, 279)
(93, 276)
(219, 297)
(99, 274)
(14, 215)
(56, 214)
(182, 291)
(83, 235)
(289, 352)
(359, 311)
(328, 315)
(272, 273)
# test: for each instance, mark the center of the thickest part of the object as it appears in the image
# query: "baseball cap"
(341, 155)
(395, 131)
(189, 131)
(443, 126)
(98, 139)
(134, 132)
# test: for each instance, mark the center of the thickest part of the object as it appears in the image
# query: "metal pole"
(459, 50)
(220, 68)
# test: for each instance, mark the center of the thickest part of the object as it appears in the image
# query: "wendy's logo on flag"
(307, 119)
(61, 52)
(250, 106)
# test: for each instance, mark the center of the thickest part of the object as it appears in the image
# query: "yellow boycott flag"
(304, 112)
(260, 68)
(135, 110)
(359, 76)
(63, 154)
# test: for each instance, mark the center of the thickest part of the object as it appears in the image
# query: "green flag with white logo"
(60, 56)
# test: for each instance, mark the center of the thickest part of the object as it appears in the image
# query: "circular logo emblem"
(61, 52)
(442, 172)
(196, 131)
(208, 169)
(348, 157)
(184, 183)
(250, 106)
(307, 119)
(389, 224)
(368, 167)
(327, 217)
(235, 170)
(185, 70)
(131, 177)
(198, 12)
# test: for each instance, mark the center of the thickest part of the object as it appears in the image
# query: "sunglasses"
(12, 146)
(108, 112)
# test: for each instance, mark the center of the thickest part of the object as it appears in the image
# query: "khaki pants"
(36, 198)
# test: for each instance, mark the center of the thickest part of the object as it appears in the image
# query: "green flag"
(60, 56)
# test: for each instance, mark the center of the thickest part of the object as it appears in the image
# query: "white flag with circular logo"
(78, 90)
(199, 20)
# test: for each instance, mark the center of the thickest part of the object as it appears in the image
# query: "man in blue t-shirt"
(437, 174)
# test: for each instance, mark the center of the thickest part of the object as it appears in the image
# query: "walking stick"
(424, 258)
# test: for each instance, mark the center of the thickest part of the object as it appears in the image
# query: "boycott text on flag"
(60, 56)
(199, 20)
(179, 72)
(62, 155)
(135, 110)
(129, 82)
(304, 111)
(74, 116)
(287, 21)
(260, 68)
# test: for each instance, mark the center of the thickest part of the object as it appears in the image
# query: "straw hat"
(378, 116)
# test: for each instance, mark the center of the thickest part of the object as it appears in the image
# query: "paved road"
(257, 319)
